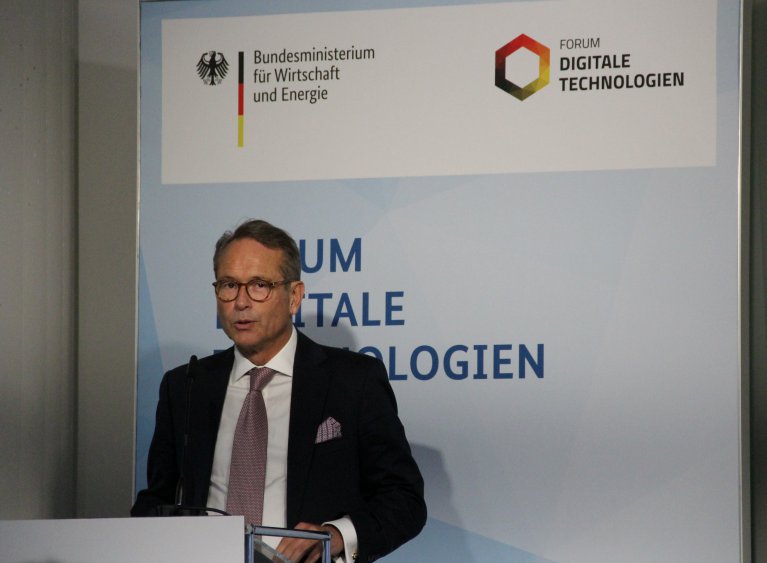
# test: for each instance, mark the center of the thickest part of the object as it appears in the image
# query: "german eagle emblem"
(212, 67)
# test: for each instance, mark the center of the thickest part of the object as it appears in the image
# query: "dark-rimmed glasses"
(257, 289)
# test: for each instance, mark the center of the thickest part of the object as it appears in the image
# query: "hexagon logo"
(544, 64)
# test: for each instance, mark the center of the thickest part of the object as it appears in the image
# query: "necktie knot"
(260, 377)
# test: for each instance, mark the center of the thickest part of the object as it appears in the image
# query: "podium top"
(124, 540)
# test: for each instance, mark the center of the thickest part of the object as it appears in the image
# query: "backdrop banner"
(528, 210)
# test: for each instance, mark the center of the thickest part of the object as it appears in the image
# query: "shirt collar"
(282, 362)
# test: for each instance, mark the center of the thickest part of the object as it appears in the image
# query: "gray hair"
(271, 237)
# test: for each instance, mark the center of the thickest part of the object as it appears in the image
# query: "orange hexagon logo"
(544, 66)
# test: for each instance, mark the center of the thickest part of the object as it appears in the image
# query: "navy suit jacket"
(368, 473)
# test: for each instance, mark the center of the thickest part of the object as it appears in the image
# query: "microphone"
(179, 508)
(190, 371)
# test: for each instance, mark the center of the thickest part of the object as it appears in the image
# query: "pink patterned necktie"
(247, 472)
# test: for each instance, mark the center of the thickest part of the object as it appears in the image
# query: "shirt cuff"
(349, 537)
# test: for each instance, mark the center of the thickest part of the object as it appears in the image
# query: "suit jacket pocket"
(331, 446)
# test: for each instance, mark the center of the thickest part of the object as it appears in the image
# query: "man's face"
(258, 329)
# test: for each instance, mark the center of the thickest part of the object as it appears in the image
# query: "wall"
(107, 143)
(67, 225)
(37, 285)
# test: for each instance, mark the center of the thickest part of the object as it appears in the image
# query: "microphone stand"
(180, 492)
(180, 508)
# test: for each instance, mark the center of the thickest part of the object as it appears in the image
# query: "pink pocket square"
(330, 429)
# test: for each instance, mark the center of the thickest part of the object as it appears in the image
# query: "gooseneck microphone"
(189, 381)
(180, 508)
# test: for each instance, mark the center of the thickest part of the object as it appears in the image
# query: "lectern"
(127, 540)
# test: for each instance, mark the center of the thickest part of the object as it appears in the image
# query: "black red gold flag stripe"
(240, 98)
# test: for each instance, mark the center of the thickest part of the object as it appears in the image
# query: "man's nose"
(243, 300)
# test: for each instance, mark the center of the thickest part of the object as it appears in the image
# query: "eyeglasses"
(257, 289)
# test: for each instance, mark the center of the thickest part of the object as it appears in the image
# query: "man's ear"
(296, 296)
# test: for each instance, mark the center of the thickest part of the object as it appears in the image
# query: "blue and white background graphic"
(552, 283)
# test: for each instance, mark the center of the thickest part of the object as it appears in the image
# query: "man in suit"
(337, 459)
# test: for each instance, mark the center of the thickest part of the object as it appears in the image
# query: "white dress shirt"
(276, 395)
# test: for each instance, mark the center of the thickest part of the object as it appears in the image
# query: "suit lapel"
(310, 386)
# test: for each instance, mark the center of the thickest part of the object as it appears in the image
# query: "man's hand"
(309, 551)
